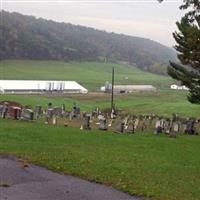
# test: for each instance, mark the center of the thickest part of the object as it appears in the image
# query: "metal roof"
(40, 85)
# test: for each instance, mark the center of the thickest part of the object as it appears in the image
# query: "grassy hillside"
(142, 164)
(27, 37)
(91, 74)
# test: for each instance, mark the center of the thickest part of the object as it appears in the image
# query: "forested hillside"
(27, 37)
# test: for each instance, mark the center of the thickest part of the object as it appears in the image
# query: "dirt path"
(36, 183)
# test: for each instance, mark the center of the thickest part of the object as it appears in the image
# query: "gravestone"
(167, 126)
(136, 123)
(27, 114)
(38, 111)
(75, 113)
(158, 127)
(1, 110)
(14, 112)
(102, 124)
(113, 113)
(120, 127)
(63, 110)
(4, 111)
(190, 127)
(86, 122)
(49, 115)
(130, 128)
(54, 120)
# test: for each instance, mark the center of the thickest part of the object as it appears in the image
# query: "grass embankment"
(92, 75)
(161, 102)
(141, 164)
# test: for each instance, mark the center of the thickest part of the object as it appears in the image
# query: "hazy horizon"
(146, 19)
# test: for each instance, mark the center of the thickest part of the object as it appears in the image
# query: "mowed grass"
(162, 102)
(141, 164)
(92, 75)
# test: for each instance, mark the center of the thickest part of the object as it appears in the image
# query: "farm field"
(91, 75)
(141, 164)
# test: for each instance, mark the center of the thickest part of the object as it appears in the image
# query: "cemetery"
(113, 120)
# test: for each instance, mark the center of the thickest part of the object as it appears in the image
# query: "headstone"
(27, 114)
(86, 122)
(49, 115)
(102, 124)
(75, 112)
(190, 127)
(38, 111)
(167, 126)
(130, 128)
(158, 128)
(14, 112)
(120, 127)
(63, 110)
(136, 123)
(54, 120)
(4, 110)
(1, 111)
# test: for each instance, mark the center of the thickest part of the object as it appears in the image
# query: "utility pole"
(112, 92)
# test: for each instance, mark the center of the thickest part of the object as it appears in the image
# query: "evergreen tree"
(188, 48)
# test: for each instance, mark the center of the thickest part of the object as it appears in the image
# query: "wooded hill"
(27, 37)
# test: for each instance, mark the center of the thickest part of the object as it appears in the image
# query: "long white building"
(38, 86)
(127, 88)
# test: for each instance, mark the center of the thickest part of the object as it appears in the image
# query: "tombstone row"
(119, 123)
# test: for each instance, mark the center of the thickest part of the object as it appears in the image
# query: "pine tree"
(188, 48)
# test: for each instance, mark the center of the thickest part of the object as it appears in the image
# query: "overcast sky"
(144, 18)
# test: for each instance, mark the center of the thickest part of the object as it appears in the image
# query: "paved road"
(36, 183)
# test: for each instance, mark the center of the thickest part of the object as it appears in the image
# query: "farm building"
(38, 87)
(176, 87)
(127, 88)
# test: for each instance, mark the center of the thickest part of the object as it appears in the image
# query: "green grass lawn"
(142, 164)
(92, 75)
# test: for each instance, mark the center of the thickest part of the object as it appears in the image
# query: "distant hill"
(27, 37)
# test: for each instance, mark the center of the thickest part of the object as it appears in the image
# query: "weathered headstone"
(130, 128)
(49, 115)
(158, 127)
(14, 112)
(4, 110)
(120, 127)
(136, 123)
(86, 122)
(38, 111)
(27, 114)
(190, 127)
(54, 120)
(102, 124)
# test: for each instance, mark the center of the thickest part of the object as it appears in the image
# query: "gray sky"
(143, 18)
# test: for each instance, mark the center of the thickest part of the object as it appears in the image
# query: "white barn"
(127, 88)
(38, 86)
(176, 87)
